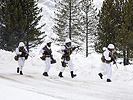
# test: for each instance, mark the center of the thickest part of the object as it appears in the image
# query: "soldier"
(47, 57)
(22, 55)
(107, 58)
(66, 51)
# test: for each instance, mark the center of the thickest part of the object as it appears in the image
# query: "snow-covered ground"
(86, 86)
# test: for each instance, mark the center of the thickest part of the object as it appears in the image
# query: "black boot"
(18, 70)
(60, 74)
(45, 74)
(101, 75)
(108, 80)
(73, 75)
(21, 73)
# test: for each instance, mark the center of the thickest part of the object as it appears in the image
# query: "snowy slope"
(87, 85)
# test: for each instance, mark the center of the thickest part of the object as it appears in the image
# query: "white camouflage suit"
(21, 60)
(70, 64)
(47, 60)
(108, 67)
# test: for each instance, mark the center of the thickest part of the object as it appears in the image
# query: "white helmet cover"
(49, 41)
(111, 46)
(21, 44)
(67, 40)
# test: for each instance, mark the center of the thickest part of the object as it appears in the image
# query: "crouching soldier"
(47, 57)
(66, 51)
(21, 56)
(107, 58)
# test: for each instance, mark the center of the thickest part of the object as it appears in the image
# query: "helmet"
(21, 44)
(104, 48)
(67, 40)
(111, 46)
(49, 41)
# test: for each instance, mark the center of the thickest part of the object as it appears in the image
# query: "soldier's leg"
(106, 70)
(47, 63)
(21, 61)
(70, 64)
(61, 71)
(109, 74)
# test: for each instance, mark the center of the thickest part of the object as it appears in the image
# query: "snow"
(87, 85)
(48, 14)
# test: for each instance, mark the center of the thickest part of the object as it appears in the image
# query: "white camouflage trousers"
(48, 64)
(108, 70)
(70, 64)
(21, 61)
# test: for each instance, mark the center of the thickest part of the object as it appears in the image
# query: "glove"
(65, 51)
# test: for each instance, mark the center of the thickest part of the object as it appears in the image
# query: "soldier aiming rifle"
(66, 51)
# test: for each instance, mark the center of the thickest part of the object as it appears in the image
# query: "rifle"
(115, 62)
(71, 49)
(113, 59)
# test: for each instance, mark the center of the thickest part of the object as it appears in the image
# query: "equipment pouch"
(67, 58)
(16, 57)
(103, 59)
(63, 64)
(43, 57)
(53, 61)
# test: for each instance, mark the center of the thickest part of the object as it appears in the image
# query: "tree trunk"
(126, 59)
(27, 45)
(86, 31)
(70, 21)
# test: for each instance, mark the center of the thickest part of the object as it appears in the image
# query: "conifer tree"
(89, 21)
(31, 34)
(19, 20)
(106, 27)
(125, 36)
(67, 20)
(115, 26)
(11, 24)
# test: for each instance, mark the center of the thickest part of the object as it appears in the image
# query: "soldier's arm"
(17, 51)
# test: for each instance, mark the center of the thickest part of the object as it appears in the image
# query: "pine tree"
(19, 20)
(106, 27)
(67, 21)
(89, 20)
(31, 34)
(115, 26)
(11, 24)
(125, 37)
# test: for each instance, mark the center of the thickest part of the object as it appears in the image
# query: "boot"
(21, 73)
(18, 70)
(108, 80)
(45, 74)
(101, 75)
(73, 75)
(60, 74)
